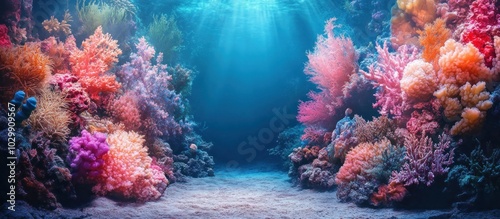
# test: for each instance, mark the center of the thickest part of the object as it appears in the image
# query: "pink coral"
(125, 109)
(128, 170)
(387, 74)
(76, 97)
(90, 64)
(424, 160)
(319, 110)
(332, 61)
(4, 37)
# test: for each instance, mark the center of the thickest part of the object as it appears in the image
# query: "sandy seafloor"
(252, 193)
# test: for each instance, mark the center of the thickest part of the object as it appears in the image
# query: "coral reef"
(51, 116)
(287, 141)
(23, 68)
(99, 53)
(128, 170)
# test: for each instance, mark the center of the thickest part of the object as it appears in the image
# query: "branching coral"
(23, 68)
(419, 80)
(332, 61)
(128, 170)
(58, 53)
(161, 109)
(90, 64)
(424, 160)
(386, 76)
(51, 116)
(432, 38)
(54, 26)
(165, 35)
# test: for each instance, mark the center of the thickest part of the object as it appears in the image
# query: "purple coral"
(86, 153)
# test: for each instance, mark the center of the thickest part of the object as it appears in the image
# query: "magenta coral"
(424, 160)
(386, 76)
(332, 61)
(4, 37)
(86, 154)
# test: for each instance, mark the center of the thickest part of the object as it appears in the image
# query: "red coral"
(483, 23)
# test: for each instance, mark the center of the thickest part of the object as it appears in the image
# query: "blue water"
(250, 56)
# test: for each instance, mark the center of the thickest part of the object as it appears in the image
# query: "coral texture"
(386, 76)
(86, 154)
(419, 80)
(128, 170)
(99, 53)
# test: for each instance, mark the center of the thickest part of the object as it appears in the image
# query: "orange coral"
(363, 157)
(58, 53)
(419, 80)
(409, 17)
(127, 169)
(23, 68)
(432, 38)
(460, 63)
(99, 54)
(476, 102)
(389, 193)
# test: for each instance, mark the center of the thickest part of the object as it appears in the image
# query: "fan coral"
(125, 109)
(128, 170)
(23, 68)
(319, 110)
(432, 38)
(387, 74)
(424, 160)
(99, 54)
(51, 116)
(86, 154)
(332, 61)
(54, 26)
(419, 80)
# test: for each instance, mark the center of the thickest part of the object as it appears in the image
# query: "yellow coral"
(462, 63)
(476, 102)
(419, 80)
(51, 116)
(23, 68)
(432, 38)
